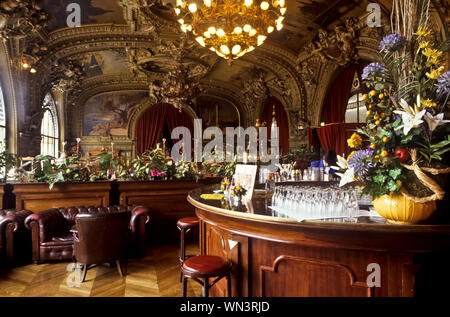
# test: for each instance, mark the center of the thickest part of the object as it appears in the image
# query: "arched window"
(2, 120)
(49, 128)
(356, 111)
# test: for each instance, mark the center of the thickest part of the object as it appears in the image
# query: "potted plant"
(405, 167)
(8, 161)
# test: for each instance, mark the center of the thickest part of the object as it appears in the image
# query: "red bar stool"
(201, 268)
(185, 225)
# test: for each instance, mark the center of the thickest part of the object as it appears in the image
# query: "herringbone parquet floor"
(155, 275)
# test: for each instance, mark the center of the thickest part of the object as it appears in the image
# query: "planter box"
(167, 202)
(37, 196)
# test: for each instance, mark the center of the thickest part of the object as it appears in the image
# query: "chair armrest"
(47, 224)
(4, 221)
(139, 218)
(139, 215)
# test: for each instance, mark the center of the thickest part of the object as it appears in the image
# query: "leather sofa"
(14, 237)
(52, 238)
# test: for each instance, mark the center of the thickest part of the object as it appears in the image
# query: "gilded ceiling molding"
(142, 16)
(296, 99)
(367, 49)
(21, 18)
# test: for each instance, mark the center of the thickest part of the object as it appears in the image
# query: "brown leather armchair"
(14, 238)
(52, 239)
(101, 238)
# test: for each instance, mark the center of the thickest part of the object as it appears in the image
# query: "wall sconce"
(25, 62)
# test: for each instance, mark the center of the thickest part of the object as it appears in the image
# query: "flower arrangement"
(220, 169)
(238, 191)
(406, 124)
(150, 165)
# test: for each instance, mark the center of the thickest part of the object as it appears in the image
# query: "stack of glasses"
(311, 202)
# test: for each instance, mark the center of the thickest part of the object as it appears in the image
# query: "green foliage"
(386, 178)
(410, 78)
(8, 161)
(302, 153)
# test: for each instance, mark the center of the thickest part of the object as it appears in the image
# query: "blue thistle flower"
(443, 84)
(360, 163)
(392, 43)
(373, 70)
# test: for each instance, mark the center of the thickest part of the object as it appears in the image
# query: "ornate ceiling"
(132, 44)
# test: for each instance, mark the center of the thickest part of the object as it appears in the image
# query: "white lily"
(341, 162)
(409, 120)
(347, 177)
(408, 109)
(435, 121)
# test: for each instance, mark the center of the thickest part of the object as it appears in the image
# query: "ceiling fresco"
(92, 12)
(106, 62)
(303, 17)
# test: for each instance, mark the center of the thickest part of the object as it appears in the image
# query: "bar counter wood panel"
(325, 259)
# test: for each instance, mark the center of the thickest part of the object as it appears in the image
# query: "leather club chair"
(51, 230)
(14, 238)
(101, 238)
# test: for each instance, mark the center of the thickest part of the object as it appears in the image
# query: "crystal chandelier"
(231, 28)
(179, 89)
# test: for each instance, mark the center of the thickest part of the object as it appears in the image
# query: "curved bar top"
(275, 256)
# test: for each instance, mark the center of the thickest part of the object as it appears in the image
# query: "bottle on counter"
(270, 185)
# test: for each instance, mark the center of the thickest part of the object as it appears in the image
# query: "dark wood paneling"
(234, 248)
(326, 259)
(37, 196)
(309, 278)
(167, 203)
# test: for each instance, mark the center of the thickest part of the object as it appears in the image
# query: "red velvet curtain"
(282, 122)
(334, 135)
(336, 101)
(149, 128)
(150, 125)
(175, 118)
(313, 138)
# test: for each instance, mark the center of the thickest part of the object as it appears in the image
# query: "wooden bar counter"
(275, 256)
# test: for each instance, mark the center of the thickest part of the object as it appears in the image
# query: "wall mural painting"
(104, 62)
(109, 113)
(92, 12)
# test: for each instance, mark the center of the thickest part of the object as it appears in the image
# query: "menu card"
(245, 175)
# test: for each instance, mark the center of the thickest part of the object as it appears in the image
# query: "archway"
(156, 123)
(334, 131)
(282, 122)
